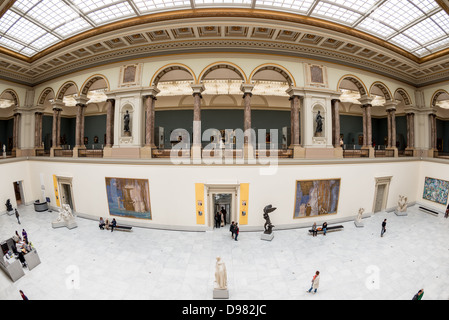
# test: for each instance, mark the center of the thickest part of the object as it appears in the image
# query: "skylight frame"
(375, 17)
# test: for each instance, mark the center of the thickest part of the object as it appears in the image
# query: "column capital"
(366, 105)
(246, 88)
(111, 100)
(335, 100)
(365, 100)
(81, 99)
(151, 92)
(197, 88)
(81, 105)
(295, 92)
(390, 105)
(57, 104)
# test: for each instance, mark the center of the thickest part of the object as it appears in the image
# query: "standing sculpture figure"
(126, 121)
(319, 123)
(221, 278)
(268, 226)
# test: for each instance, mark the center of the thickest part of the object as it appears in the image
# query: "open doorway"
(223, 204)
(66, 192)
(381, 194)
(221, 196)
(18, 191)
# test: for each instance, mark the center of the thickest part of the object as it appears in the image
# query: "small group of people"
(234, 229)
(106, 225)
(21, 247)
(220, 218)
(315, 229)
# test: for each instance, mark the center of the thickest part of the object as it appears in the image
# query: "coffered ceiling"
(403, 39)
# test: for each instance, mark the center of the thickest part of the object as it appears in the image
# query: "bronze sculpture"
(268, 226)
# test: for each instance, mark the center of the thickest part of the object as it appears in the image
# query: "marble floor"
(355, 263)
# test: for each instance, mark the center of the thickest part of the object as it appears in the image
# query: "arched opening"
(440, 104)
(8, 102)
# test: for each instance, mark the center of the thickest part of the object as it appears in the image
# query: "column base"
(370, 151)
(248, 151)
(146, 152)
(52, 150)
(298, 152)
(413, 151)
(107, 152)
(195, 152)
(75, 150)
(338, 152)
(432, 153)
(395, 151)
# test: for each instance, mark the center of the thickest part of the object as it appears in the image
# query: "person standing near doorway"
(236, 231)
(223, 212)
(217, 220)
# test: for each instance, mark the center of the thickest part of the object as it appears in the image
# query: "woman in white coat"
(315, 282)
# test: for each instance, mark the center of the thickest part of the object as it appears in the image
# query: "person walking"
(315, 282)
(314, 230)
(232, 229)
(419, 295)
(17, 215)
(24, 297)
(236, 231)
(384, 228)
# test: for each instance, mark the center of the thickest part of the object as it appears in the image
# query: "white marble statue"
(359, 215)
(402, 204)
(221, 278)
(65, 218)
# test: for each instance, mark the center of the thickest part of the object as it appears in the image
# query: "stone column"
(412, 130)
(367, 126)
(79, 129)
(150, 101)
(433, 131)
(248, 147)
(38, 130)
(196, 146)
(336, 122)
(16, 130)
(388, 129)
(393, 128)
(296, 98)
(110, 104)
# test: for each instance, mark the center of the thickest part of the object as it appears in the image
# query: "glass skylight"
(420, 27)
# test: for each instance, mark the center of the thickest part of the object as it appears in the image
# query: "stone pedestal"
(359, 224)
(299, 152)
(338, 152)
(248, 151)
(146, 152)
(400, 213)
(395, 151)
(70, 224)
(75, 150)
(107, 152)
(370, 151)
(221, 294)
(267, 237)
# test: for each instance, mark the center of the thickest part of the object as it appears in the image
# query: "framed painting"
(436, 190)
(316, 197)
(128, 197)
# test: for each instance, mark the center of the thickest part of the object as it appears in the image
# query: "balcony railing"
(63, 153)
(42, 153)
(90, 153)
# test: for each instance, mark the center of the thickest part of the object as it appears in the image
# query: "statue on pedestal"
(268, 226)
(8, 205)
(358, 220)
(65, 218)
(126, 121)
(319, 124)
(221, 278)
(402, 204)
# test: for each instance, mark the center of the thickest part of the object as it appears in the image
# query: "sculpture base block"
(267, 237)
(359, 224)
(10, 213)
(400, 213)
(69, 224)
(221, 294)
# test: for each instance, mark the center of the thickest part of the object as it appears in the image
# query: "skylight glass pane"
(25, 30)
(52, 13)
(442, 19)
(425, 31)
(10, 44)
(421, 52)
(397, 14)
(405, 42)
(28, 52)
(361, 6)
(299, 5)
(376, 28)
(236, 2)
(425, 5)
(90, 5)
(72, 27)
(335, 12)
(151, 5)
(439, 45)
(8, 19)
(25, 5)
(111, 13)
(44, 41)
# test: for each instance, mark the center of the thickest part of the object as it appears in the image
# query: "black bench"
(122, 228)
(427, 210)
(332, 228)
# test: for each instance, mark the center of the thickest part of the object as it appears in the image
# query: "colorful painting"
(436, 190)
(316, 197)
(128, 197)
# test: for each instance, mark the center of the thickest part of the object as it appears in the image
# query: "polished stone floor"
(355, 263)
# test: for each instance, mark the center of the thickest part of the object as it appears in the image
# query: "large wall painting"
(128, 198)
(435, 190)
(316, 197)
